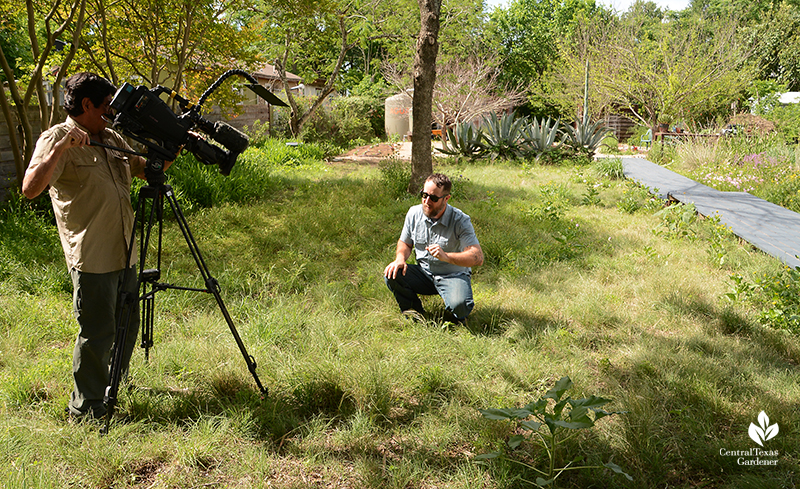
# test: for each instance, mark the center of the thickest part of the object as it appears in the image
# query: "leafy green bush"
(548, 423)
(609, 144)
(395, 175)
(635, 139)
(636, 197)
(609, 168)
(777, 296)
(346, 121)
(662, 153)
(252, 178)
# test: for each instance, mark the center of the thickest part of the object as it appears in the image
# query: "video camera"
(142, 115)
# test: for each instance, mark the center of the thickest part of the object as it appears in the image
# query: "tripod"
(156, 192)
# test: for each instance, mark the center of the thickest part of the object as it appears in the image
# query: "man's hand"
(437, 252)
(75, 137)
(472, 256)
(392, 269)
(399, 263)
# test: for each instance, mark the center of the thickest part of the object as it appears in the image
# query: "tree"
(776, 46)
(683, 69)
(314, 39)
(465, 89)
(182, 44)
(58, 19)
(424, 80)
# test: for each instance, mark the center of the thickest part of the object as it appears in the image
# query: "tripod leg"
(127, 299)
(148, 312)
(211, 284)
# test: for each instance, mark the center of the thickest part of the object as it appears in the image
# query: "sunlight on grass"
(360, 396)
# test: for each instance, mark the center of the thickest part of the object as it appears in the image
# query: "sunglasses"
(434, 198)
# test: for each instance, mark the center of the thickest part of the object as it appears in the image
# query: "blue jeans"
(455, 290)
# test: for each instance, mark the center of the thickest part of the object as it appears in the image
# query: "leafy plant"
(609, 168)
(716, 243)
(502, 136)
(778, 296)
(540, 137)
(554, 200)
(586, 136)
(465, 140)
(549, 423)
(592, 195)
(637, 197)
(676, 221)
(394, 177)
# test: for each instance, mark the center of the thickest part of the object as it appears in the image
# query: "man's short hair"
(82, 85)
(441, 181)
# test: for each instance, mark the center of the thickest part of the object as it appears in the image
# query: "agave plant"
(586, 136)
(465, 140)
(503, 136)
(540, 137)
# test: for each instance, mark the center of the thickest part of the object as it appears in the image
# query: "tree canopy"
(655, 65)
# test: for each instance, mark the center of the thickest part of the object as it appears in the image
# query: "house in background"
(255, 108)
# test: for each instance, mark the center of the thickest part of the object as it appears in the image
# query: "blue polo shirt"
(453, 232)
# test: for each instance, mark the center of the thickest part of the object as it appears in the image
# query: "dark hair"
(82, 85)
(441, 181)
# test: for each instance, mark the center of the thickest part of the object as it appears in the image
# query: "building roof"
(269, 72)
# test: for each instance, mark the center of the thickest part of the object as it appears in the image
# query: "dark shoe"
(93, 414)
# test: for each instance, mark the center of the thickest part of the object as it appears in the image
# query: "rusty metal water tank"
(398, 115)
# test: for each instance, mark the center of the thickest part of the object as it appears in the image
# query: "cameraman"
(90, 191)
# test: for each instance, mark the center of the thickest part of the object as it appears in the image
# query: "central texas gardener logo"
(763, 431)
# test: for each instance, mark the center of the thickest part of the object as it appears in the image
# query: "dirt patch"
(375, 153)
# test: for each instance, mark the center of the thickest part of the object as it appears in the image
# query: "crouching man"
(445, 247)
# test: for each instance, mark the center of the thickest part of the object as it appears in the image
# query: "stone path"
(769, 227)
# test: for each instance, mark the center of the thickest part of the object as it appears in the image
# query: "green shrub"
(346, 121)
(635, 139)
(662, 153)
(609, 144)
(609, 168)
(253, 177)
(395, 175)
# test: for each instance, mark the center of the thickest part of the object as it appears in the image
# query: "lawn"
(582, 279)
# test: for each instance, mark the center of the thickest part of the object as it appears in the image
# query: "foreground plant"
(561, 421)
(586, 136)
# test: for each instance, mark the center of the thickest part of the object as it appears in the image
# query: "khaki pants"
(95, 305)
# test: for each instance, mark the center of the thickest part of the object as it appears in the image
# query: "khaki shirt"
(90, 191)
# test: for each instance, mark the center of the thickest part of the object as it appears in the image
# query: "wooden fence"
(8, 171)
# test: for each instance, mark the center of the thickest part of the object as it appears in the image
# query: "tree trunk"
(424, 80)
(12, 134)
